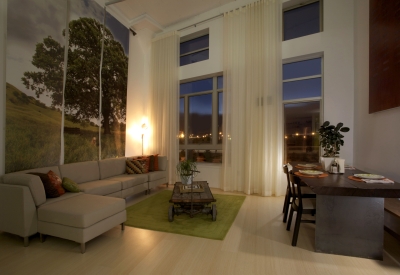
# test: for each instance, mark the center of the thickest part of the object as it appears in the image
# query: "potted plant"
(185, 169)
(330, 141)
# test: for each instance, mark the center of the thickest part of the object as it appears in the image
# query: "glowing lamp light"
(144, 128)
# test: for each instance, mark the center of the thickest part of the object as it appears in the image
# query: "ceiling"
(159, 14)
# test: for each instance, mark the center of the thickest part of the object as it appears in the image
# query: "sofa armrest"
(33, 182)
(17, 210)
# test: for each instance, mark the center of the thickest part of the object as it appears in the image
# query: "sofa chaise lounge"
(80, 217)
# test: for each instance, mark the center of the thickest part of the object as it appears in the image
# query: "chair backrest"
(296, 186)
(286, 171)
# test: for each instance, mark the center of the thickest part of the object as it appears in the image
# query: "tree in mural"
(82, 85)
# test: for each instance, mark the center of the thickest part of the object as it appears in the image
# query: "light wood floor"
(257, 243)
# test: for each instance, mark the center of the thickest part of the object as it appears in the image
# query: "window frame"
(321, 16)
(214, 145)
(306, 99)
(193, 36)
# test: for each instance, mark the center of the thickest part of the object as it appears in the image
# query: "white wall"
(376, 147)
(3, 40)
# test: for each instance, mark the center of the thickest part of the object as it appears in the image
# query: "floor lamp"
(144, 128)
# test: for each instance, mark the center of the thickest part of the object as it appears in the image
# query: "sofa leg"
(26, 241)
(83, 248)
(42, 237)
(122, 226)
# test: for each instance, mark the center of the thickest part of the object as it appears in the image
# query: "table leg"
(351, 226)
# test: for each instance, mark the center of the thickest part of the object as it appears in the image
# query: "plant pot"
(186, 179)
(326, 162)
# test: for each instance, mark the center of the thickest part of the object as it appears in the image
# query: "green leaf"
(326, 123)
(345, 129)
(338, 126)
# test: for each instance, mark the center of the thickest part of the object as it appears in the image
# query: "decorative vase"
(186, 179)
(326, 163)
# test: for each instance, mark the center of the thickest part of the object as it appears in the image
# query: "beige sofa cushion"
(81, 172)
(80, 211)
(66, 196)
(100, 187)
(156, 175)
(112, 167)
(131, 180)
(33, 182)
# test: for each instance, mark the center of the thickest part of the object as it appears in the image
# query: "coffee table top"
(198, 197)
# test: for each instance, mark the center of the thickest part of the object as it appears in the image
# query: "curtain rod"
(209, 19)
(206, 20)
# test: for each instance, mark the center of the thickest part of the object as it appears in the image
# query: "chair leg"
(286, 210)
(296, 228)
(289, 223)
(122, 226)
(284, 204)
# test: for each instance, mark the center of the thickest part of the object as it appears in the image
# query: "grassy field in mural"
(33, 136)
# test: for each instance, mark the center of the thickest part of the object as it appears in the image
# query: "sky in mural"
(38, 19)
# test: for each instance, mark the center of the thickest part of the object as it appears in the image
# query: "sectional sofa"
(80, 217)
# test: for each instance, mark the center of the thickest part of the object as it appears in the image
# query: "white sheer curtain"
(164, 97)
(252, 147)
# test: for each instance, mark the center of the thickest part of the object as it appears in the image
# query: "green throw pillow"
(70, 185)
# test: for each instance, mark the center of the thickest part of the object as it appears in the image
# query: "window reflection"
(200, 119)
(301, 126)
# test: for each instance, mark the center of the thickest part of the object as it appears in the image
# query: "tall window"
(302, 20)
(302, 94)
(194, 47)
(200, 120)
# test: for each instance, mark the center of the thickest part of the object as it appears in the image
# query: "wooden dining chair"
(306, 192)
(299, 204)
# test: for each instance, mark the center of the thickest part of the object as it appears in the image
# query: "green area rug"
(152, 213)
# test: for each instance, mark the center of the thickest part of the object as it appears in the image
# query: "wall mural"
(36, 113)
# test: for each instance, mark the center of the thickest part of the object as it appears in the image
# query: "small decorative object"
(187, 170)
(341, 165)
(334, 167)
(330, 141)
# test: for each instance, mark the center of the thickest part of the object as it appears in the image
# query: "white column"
(138, 91)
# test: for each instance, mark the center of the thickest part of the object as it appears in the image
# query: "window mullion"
(302, 78)
(195, 51)
(186, 121)
(214, 137)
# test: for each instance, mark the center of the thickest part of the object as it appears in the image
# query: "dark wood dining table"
(350, 214)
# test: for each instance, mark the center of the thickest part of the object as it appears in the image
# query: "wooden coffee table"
(191, 200)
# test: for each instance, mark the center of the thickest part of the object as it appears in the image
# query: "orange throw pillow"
(56, 181)
(156, 163)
